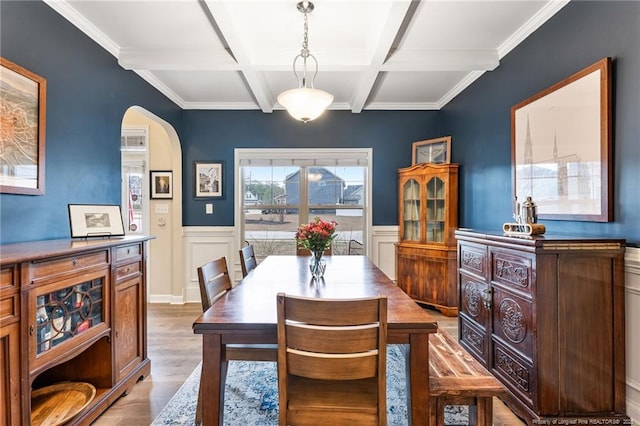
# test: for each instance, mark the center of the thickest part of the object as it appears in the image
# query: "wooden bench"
(456, 378)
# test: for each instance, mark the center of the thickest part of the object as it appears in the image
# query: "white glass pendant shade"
(305, 104)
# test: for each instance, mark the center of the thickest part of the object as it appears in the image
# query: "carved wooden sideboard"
(545, 315)
(71, 311)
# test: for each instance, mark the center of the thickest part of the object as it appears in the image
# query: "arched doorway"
(164, 215)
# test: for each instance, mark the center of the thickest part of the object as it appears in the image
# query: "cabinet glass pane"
(435, 188)
(411, 190)
(435, 232)
(411, 210)
(65, 313)
(436, 207)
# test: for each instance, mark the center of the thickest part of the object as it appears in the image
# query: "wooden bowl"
(56, 404)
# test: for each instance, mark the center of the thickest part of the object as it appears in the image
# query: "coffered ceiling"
(372, 54)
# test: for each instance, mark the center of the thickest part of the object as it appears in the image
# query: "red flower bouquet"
(317, 235)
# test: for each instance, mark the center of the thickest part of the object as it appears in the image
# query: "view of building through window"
(278, 199)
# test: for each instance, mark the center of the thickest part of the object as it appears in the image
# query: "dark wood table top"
(251, 305)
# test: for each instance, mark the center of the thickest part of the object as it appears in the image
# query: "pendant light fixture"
(305, 103)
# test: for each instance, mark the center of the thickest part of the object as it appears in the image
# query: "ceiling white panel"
(415, 87)
(372, 54)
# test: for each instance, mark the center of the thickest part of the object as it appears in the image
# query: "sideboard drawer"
(68, 264)
(127, 271)
(9, 308)
(8, 280)
(128, 252)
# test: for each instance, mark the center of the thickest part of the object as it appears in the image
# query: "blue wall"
(479, 119)
(87, 96)
(213, 135)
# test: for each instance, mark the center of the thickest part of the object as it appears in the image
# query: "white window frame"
(307, 157)
(136, 158)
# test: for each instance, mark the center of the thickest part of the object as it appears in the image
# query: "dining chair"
(332, 360)
(301, 251)
(247, 259)
(215, 281)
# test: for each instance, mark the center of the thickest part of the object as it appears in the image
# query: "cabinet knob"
(74, 262)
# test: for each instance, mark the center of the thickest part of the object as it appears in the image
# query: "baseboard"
(633, 411)
(168, 298)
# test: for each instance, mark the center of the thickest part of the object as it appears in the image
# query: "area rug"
(251, 395)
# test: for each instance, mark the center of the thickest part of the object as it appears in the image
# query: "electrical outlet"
(209, 208)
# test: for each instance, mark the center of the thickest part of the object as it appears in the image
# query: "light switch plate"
(209, 208)
(162, 208)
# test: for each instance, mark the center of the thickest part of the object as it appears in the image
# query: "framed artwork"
(161, 184)
(561, 147)
(208, 179)
(436, 151)
(95, 220)
(23, 98)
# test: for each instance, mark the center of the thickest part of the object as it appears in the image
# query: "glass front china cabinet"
(426, 251)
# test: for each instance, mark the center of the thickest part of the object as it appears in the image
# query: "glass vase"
(317, 264)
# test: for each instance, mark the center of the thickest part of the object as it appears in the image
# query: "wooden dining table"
(247, 315)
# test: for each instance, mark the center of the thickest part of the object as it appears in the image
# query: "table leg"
(419, 379)
(214, 373)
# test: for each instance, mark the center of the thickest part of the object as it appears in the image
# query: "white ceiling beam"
(442, 60)
(255, 80)
(71, 14)
(220, 105)
(404, 106)
(176, 60)
(340, 59)
(367, 79)
(548, 10)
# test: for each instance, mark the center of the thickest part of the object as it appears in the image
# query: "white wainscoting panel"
(202, 244)
(632, 329)
(383, 249)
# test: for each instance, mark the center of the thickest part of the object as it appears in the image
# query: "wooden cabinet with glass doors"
(72, 312)
(426, 249)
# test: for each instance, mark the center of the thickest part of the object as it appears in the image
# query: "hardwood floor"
(175, 351)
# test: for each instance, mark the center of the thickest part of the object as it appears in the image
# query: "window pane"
(132, 213)
(350, 228)
(271, 231)
(272, 207)
(343, 188)
(266, 185)
(335, 185)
